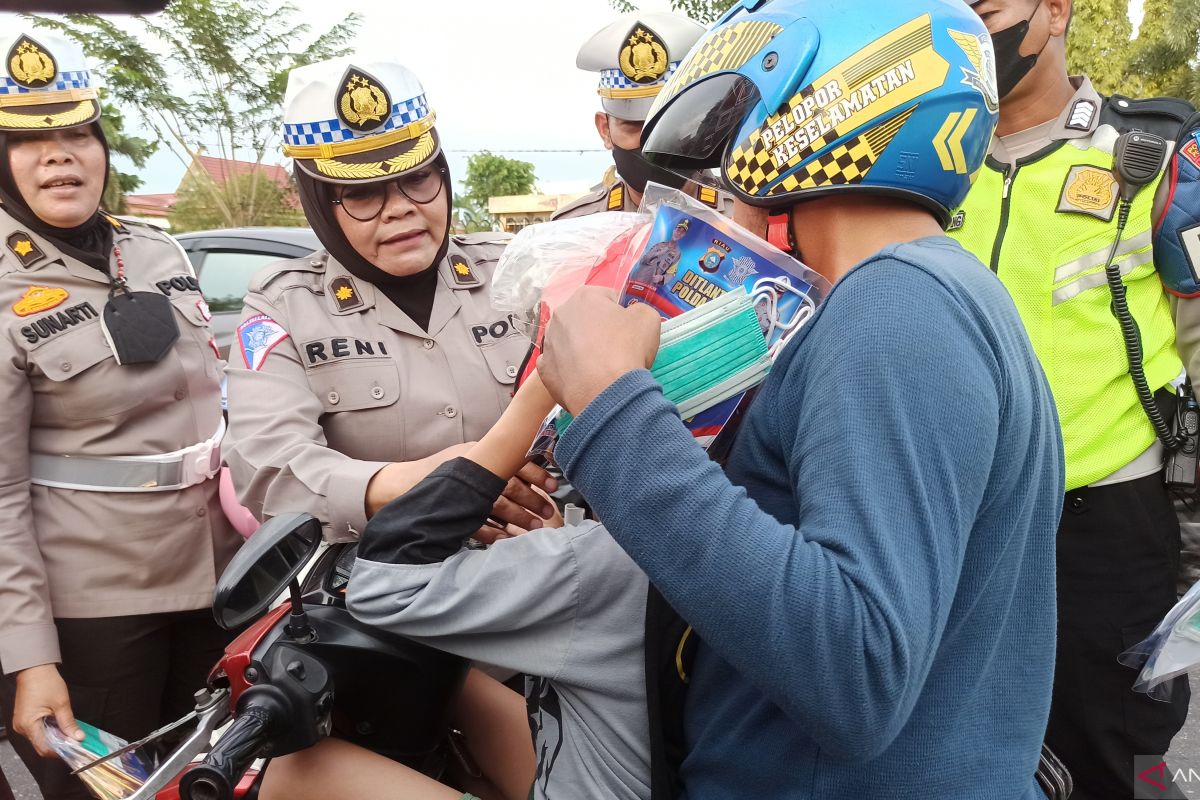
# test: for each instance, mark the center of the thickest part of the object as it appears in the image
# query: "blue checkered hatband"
(616, 79)
(80, 79)
(332, 131)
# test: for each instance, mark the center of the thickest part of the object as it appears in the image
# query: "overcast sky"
(501, 76)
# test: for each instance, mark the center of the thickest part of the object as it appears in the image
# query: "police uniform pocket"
(193, 308)
(88, 384)
(504, 357)
(354, 386)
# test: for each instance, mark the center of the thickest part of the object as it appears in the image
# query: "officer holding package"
(635, 55)
(111, 531)
(359, 368)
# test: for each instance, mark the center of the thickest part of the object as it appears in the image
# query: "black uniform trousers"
(1118, 557)
(126, 675)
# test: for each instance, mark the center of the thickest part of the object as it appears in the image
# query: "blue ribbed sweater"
(873, 575)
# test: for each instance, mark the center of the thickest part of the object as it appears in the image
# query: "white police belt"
(158, 473)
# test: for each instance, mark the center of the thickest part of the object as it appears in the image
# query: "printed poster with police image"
(694, 255)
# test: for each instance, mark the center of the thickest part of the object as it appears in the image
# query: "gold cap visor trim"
(37, 98)
(634, 93)
(80, 114)
(365, 144)
(402, 158)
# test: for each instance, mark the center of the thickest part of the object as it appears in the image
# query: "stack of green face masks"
(711, 353)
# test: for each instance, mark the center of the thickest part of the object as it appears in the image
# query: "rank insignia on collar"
(1081, 116)
(644, 58)
(616, 197)
(345, 294)
(708, 196)
(30, 65)
(461, 269)
(364, 104)
(39, 298)
(25, 249)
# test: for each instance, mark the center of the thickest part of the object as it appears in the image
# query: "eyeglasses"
(364, 202)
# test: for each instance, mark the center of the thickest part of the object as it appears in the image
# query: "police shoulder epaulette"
(595, 196)
(1163, 116)
(299, 269)
(482, 237)
(708, 195)
(616, 197)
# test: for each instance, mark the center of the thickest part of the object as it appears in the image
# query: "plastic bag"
(1171, 650)
(116, 779)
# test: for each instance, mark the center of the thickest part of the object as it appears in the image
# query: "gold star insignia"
(23, 247)
(461, 268)
(344, 293)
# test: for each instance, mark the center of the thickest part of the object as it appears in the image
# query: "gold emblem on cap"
(364, 103)
(30, 65)
(644, 56)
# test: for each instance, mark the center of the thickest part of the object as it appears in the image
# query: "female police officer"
(360, 368)
(111, 533)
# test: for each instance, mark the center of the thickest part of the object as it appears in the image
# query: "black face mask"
(1011, 66)
(637, 171)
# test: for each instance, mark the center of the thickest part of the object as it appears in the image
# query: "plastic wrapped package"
(115, 779)
(1171, 650)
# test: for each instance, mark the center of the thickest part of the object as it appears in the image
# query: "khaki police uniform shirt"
(616, 198)
(84, 554)
(354, 384)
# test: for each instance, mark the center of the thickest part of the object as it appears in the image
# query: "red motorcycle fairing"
(239, 653)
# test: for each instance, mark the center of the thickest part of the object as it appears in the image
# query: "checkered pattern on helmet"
(848, 163)
(79, 79)
(752, 168)
(728, 48)
(615, 78)
(331, 131)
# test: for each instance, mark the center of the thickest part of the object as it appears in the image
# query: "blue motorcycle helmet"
(795, 99)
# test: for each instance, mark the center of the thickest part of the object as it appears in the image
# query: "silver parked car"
(225, 260)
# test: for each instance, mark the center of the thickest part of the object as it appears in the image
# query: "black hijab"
(90, 242)
(412, 294)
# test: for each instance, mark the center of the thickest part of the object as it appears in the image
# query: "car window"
(227, 273)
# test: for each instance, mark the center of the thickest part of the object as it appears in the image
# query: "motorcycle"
(302, 671)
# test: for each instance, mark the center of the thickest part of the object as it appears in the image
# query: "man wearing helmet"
(1047, 212)
(871, 577)
(635, 54)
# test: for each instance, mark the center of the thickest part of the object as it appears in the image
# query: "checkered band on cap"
(331, 131)
(616, 79)
(80, 79)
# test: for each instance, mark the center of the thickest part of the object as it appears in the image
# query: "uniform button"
(334, 397)
(427, 344)
(200, 512)
(180, 394)
(377, 392)
(65, 366)
(511, 371)
(1076, 502)
(451, 412)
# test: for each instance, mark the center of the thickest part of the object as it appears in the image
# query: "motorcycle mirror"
(263, 568)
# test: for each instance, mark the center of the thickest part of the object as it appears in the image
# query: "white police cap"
(46, 83)
(635, 55)
(355, 120)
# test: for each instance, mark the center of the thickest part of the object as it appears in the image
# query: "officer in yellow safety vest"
(1087, 227)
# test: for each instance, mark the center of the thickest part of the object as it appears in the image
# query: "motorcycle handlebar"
(216, 777)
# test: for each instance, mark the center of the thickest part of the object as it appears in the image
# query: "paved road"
(1185, 753)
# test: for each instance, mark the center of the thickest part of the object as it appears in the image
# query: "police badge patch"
(257, 337)
(363, 104)
(644, 57)
(1089, 190)
(30, 65)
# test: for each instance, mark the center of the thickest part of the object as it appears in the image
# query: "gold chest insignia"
(30, 65)
(364, 104)
(39, 298)
(1089, 190)
(644, 57)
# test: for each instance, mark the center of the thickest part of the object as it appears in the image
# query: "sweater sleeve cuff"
(347, 497)
(607, 416)
(430, 522)
(29, 646)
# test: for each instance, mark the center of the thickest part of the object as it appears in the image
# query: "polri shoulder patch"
(461, 269)
(345, 294)
(257, 337)
(22, 245)
(1089, 190)
(38, 299)
(1191, 151)
(616, 197)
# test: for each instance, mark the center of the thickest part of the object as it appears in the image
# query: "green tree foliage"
(135, 148)
(219, 85)
(700, 10)
(490, 175)
(262, 200)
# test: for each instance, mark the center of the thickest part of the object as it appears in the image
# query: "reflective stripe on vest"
(1053, 265)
